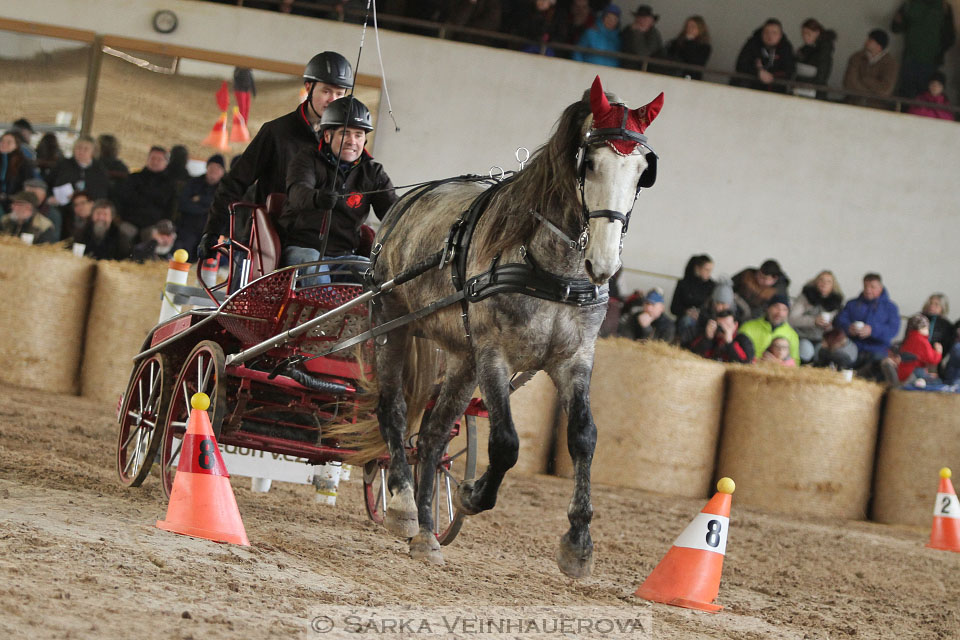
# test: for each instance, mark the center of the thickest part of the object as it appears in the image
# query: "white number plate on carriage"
(253, 463)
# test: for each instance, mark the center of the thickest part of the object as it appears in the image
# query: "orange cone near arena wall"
(218, 134)
(202, 503)
(945, 533)
(238, 130)
(689, 575)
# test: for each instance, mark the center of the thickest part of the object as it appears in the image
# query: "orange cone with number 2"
(689, 575)
(202, 503)
(945, 533)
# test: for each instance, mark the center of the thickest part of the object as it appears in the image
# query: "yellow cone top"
(726, 485)
(180, 255)
(945, 472)
(200, 401)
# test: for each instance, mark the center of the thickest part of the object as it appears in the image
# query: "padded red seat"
(265, 245)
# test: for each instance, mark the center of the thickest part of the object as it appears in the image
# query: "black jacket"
(688, 52)
(819, 55)
(690, 293)
(147, 197)
(780, 62)
(310, 174)
(264, 162)
(113, 246)
(92, 179)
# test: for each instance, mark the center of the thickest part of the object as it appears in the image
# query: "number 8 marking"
(205, 459)
(713, 533)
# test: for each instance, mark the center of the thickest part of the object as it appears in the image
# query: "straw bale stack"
(45, 292)
(799, 440)
(920, 434)
(657, 410)
(125, 306)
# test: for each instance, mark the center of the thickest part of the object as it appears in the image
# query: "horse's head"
(615, 163)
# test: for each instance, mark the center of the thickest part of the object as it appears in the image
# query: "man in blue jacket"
(872, 320)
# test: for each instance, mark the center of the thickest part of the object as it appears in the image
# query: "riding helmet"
(329, 67)
(335, 115)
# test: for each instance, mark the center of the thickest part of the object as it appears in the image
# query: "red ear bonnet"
(610, 116)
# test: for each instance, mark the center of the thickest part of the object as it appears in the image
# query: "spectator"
(692, 293)
(646, 320)
(101, 237)
(149, 195)
(722, 299)
(24, 218)
(691, 46)
(194, 204)
(815, 57)
(177, 165)
(767, 56)
(936, 309)
(813, 311)
(762, 331)
(603, 36)
(721, 341)
(543, 22)
(24, 132)
(15, 169)
(872, 321)
(474, 14)
(951, 368)
(757, 286)
(46, 208)
(159, 246)
(642, 37)
(779, 353)
(917, 354)
(928, 33)
(581, 18)
(934, 95)
(836, 351)
(81, 173)
(82, 205)
(871, 71)
(48, 155)
(108, 148)
(244, 88)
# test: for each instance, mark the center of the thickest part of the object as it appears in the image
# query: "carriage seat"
(265, 247)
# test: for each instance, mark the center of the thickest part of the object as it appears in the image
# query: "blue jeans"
(293, 255)
(951, 372)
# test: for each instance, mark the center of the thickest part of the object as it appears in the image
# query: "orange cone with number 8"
(689, 575)
(202, 503)
(945, 533)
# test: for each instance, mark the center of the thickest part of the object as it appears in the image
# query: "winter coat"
(746, 286)
(146, 198)
(193, 205)
(663, 328)
(740, 350)
(691, 293)
(931, 112)
(639, 43)
(688, 52)
(883, 316)
(878, 77)
(264, 162)
(92, 179)
(916, 351)
(762, 333)
(113, 246)
(599, 37)
(547, 26)
(819, 55)
(927, 26)
(15, 169)
(314, 171)
(808, 306)
(941, 330)
(243, 80)
(146, 251)
(41, 228)
(780, 61)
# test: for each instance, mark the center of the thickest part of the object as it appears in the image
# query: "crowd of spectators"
(90, 201)
(751, 318)
(767, 59)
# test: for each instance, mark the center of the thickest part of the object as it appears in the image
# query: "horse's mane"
(547, 185)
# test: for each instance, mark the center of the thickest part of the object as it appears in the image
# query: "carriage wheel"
(455, 466)
(202, 372)
(142, 409)
(375, 489)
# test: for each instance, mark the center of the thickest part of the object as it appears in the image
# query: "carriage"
(280, 401)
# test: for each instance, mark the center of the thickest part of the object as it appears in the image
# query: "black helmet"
(329, 67)
(335, 115)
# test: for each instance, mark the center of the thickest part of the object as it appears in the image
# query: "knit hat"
(779, 298)
(771, 268)
(612, 8)
(26, 196)
(217, 159)
(880, 37)
(653, 297)
(723, 293)
(36, 183)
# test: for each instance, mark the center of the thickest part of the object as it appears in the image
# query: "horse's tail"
(421, 365)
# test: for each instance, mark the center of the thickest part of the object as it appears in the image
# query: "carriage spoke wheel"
(458, 463)
(142, 409)
(203, 372)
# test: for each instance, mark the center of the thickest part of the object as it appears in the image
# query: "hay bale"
(657, 410)
(125, 306)
(919, 436)
(45, 292)
(799, 440)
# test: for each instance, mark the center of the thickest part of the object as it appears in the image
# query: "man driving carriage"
(338, 180)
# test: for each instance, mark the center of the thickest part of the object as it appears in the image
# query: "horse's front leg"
(575, 556)
(503, 446)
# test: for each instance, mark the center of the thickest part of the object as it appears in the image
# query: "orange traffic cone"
(218, 134)
(946, 516)
(689, 575)
(238, 130)
(202, 503)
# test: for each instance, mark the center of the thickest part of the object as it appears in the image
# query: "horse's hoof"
(464, 494)
(400, 518)
(573, 562)
(424, 546)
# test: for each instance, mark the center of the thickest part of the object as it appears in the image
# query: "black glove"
(326, 200)
(205, 248)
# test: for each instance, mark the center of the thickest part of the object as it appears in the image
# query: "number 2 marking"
(945, 508)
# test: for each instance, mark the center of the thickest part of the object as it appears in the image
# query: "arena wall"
(743, 175)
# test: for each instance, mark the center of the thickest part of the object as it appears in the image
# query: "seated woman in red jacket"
(916, 352)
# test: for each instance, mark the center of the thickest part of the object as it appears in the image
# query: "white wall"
(743, 175)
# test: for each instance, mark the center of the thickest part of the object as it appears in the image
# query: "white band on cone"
(707, 532)
(947, 506)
